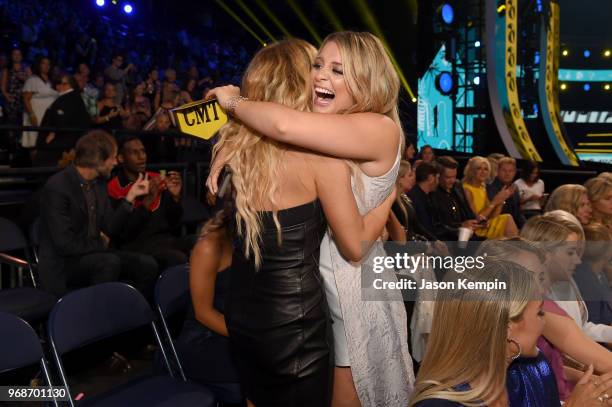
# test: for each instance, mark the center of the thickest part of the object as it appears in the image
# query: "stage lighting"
(565, 53)
(477, 44)
(100, 3)
(444, 83)
(447, 13)
(414, 100)
(607, 86)
(128, 9)
(477, 80)
(607, 53)
(587, 87)
(563, 86)
(587, 53)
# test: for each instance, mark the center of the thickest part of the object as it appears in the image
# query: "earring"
(520, 350)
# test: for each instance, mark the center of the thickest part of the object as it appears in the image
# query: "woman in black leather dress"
(276, 312)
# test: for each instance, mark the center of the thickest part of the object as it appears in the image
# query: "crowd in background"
(127, 78)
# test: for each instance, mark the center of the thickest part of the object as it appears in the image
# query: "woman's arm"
(27, 102)
(350, 229)
(358, 136)
(566, 336)
(204, 265)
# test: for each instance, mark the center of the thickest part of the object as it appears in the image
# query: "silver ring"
(601, 399)
(606, 396)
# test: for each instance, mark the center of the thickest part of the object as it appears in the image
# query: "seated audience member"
(599, 191)
(110, 113)
(452, 210)
(591, 276)
(408, 226)
(482, 348)
(562, 236)
(493, 161)
(426, 182)
(531, 189)
(506, 171)
(156, 215)
(572, 198)
(203, 344)
(499, 224)
(78, 224)
(409, 151)
(67, 111)
(426, 155)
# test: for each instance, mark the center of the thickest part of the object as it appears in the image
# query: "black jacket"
(450, 211)
(64, 225)
(67, 111)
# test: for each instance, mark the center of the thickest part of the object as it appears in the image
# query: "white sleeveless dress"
(369, 336)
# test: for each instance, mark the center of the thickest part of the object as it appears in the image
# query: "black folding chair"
(21, 347)
(29, 303)
(91, 314)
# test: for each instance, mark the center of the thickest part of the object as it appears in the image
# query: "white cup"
(464, 235)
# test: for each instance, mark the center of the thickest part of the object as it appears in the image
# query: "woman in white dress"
(38, 94)
(355, 117)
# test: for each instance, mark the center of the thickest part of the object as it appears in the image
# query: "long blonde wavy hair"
(278, 73)
(468, 339)
(371, 80)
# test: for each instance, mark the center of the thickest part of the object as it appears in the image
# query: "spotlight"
(477, 80)
(100, 3)
(128, 9)
(587, 53)
(447, 13)
(587, 87)
(563, 86)
(536, 58)
(114, 2)
(444, 83)
(607, 86)
(414, 100)
(565, 53)
(607, 53)
(477, 44)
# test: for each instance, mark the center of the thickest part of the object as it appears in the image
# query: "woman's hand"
(591, 391)
(223, 94)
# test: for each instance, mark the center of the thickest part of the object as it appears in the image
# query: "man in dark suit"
(68, 111)
(420, 194)
(451, 207)
(78, 223)
(506, 171)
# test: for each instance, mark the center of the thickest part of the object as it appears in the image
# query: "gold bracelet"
(230, 105)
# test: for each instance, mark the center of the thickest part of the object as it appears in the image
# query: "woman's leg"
(344, 393)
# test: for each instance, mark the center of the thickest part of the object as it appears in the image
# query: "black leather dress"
(277, 316)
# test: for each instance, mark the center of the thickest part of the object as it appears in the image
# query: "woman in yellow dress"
(498, 224)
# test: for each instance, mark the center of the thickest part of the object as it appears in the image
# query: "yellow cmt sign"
(201, 119)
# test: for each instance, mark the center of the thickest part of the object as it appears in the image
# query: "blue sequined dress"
(531, 383)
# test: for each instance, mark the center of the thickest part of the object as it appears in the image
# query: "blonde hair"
(597, 188)
(566, 197)
(454, 359)
(469, 173)
(552, 228)
(506, 161)
(278, 73)
(606, 175)
(371, 80)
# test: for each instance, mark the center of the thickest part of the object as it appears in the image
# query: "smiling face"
(482, 172)
(330, 92)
